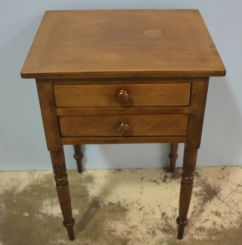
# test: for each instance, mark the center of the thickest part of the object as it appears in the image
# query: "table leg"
(78, 157)
(55, 147)
(62, 186)
(173, 156)
(193, 140)
(190, 156)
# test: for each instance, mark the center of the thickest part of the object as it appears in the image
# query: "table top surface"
(122, 43)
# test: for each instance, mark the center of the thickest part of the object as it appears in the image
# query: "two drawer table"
(122, 76)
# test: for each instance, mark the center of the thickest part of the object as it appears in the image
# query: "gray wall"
(22, 144)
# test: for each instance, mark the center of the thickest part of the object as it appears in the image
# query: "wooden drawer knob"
(123, 128)
(123, 97)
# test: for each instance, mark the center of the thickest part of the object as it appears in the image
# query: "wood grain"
(140, 125)
(165, 94)
(122, 43)
(48, 112)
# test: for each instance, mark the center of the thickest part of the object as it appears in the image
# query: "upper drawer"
(93, 95)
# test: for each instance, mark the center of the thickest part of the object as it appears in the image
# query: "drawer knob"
(123, 97)
(123, 128)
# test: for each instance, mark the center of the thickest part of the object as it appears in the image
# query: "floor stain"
(17, 227)
(23, 223)
(167, 227)
(207, 192)
(128, 207)
(169, 176)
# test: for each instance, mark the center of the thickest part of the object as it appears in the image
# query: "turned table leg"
(78, 157)
(192, 144)
(55, 147)
(62, 186)
(173, 156)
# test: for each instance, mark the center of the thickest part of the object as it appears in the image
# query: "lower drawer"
(124, 125)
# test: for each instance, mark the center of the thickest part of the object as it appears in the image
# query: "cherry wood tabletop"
(108, 43)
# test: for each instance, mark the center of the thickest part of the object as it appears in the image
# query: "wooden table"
(122, 76)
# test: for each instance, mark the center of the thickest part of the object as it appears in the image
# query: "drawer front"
(125, 125)
(114, 95)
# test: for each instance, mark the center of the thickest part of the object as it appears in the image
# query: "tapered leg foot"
(173, 156)
(70, 229)
(181, 228)
(78, 156)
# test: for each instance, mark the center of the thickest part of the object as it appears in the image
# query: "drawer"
(125, 125)
(116, 95)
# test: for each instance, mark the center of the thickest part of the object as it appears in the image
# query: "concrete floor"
(121, 207)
